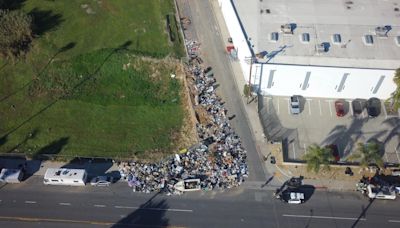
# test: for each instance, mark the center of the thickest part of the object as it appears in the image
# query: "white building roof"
(321, 19)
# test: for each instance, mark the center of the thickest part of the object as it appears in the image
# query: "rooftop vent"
(337, 38)
(305, 38)
(382, 31)
(287, 29)
(369, 40)
(274, 37)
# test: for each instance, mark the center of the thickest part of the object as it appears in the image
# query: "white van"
(71, 177)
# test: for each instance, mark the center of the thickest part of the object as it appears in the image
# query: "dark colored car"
(358, 106)
(335, 151)
(374, 107)
(339, 106)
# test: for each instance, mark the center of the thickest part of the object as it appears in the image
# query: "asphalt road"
(204, 29)
(32, 204)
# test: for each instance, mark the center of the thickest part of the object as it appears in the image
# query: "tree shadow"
(11, 4)
(3, 140)
(149, 214)
(124, 46)
(65, 48)
(53, 148)
(30, 135)
(394, 124)
(44, 20)
(363, 212)
(93, 166)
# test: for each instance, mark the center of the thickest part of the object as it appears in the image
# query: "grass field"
(88, 87)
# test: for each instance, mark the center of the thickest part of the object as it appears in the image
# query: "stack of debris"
(219, 161)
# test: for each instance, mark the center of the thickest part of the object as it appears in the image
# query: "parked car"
(358, 106)
(293, 197)
(101, 181)
(339, 106)
(383, 192)
(295, 104)
(373, 107)
(334, 150)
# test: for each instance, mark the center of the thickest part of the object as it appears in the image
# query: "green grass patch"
(86, 87)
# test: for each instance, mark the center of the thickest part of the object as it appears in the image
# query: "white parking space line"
(330, 106)
(320, 108)
(99, 205)
(384, 111)
(65, 204)
(324, 217)
(294, 151)
(350, 107)
(397, 154)
(30, 202)
(288, 105)
(277, 106)
(309, 106)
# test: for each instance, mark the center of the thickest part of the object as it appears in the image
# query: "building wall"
(309, 81)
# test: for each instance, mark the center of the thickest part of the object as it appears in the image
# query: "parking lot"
(318, 123)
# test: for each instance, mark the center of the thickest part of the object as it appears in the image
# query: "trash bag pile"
(218, 161)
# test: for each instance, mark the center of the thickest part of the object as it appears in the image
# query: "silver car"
(295, 104)
(101, 181)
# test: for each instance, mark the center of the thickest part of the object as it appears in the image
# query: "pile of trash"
(218, 161)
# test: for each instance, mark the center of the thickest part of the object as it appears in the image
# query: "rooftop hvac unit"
(320, 48)
(381, 31)
(287, 29)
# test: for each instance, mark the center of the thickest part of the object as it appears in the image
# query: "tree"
(396, 94)
(367, 154)
(15, 33)
(317, 157)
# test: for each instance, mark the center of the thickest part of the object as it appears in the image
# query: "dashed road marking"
(65, 204)
(384, 111)
(99, 205)
(294, 151)
(30, 202)
(153, 209)
(350, 107)
(277, 106)
(288, 105)
(323, 217)
(395, 221)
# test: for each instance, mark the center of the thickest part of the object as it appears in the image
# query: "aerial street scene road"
(199, 113)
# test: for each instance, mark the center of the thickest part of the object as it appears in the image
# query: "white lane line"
(324, 217)
(99, 205)
(125, 207)
(309, 106)
(31, 202)
(397, 221)
(320, 108)
(154, 209)
(65, 204)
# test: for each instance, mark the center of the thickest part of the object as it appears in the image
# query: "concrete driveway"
(318, 123)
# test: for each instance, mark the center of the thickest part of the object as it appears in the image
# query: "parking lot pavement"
(318, 123)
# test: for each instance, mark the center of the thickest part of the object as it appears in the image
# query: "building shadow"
(51, 149)
(44, 20)
(149, 214)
